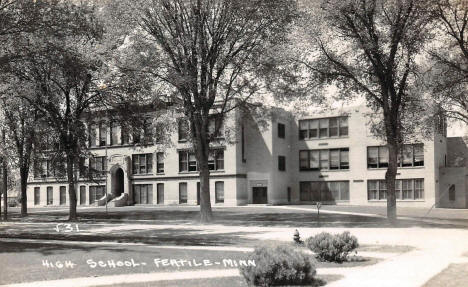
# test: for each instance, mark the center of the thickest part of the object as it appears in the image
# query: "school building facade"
(331, 158)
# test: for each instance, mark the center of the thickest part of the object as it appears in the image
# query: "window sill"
(398, 200)
(327, 138)
(398, 168)
(142, 174)
(325, 170)
(193, 172)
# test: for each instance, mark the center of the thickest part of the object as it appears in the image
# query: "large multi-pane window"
(37, 195)
(324, 159)
(219, 191)
(182, 192)
(148, 131)
(160, 162)
(43, 168)
(324, 190)
(124, 134)
(96, 193)
(142, 163)
(323, 128)
(405, 189)
(188, 161)
(411, 155)
(143, 193)
(98, 165)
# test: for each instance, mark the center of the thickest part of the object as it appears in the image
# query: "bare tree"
(62, 64)
(205, 55)
(449, 74)
(369, 48)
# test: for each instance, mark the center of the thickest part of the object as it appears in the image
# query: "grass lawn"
(454, 275)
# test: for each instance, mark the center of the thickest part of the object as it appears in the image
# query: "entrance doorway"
(259, 195)
(118, 182)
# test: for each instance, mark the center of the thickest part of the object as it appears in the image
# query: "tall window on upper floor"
(281, 163)
(324, 159)
(114, 133)
(160, 162)
(102, 134)
(142, 163)
(216, 127)
(411, 155)
(323, 128)
(124, 134)
(183, 130)
(148, 131)
(281, 130)
(92, 135)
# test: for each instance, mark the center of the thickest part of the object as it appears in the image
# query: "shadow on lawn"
(243, 217)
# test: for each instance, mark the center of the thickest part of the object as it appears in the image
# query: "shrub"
(333, 248)
(279, 265)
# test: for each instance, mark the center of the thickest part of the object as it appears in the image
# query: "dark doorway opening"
(118, 183)
(259, 195)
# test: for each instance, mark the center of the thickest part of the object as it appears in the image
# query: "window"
(143, 193)
(82, 195)
(243, 143)
(43, 168)
(412, 155)
(114, 135)
(148, 131)
(142, 163)
(50, 195)
(406, 189)
(219, 192)
(216, 127)
(160, 193)
(102, 134)
(324, 159)
(63, 195)
(452, 192)
(192, 162)
(92, 135)
(324, 190)
(377, 157)
(98, 165)
(124, 134)
(182, 192)
(188, 161)
(281, 130)
(96, 193)
(183, 129)
(160, 162)
(281, 163)
(37, 195)
(323, 128)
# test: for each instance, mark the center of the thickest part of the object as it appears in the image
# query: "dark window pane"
(333, 127)
(281, 130)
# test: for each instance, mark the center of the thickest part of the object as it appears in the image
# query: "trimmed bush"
(279, 265)
(333, 248)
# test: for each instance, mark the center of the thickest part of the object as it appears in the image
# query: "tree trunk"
(206, 214)
(5, 188)
(390, 176)
(71, 189)
(23, 187)
(201, 148)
